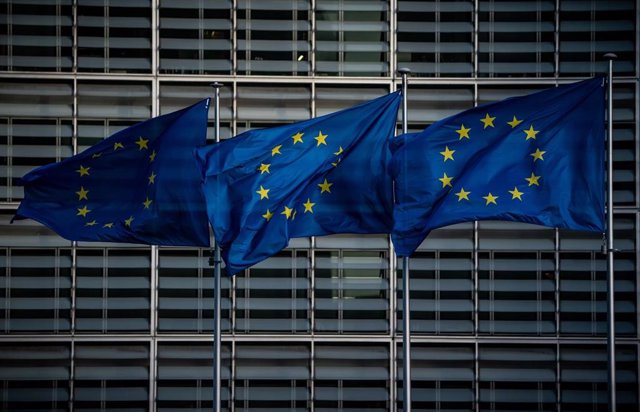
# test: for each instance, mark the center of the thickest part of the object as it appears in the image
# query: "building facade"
(505, 316)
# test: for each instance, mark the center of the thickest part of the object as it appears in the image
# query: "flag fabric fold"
(139, 185)
(535, 159)
(322, 176)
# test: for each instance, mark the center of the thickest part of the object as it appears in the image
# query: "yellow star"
(335, 164)
(264, 168)
(531, 134)
(152, 156)
(92, 223)
(339, 152)
(108, 225)
(325, 186)
(462, 194)
(147, 203)
(490, 199)
(488, 121)
(127, 222)
(463, 132)
(446, 180)
(152, 178)
(83, 212)
(448, 154)
(117, 145)
(533, 180)
(297, 138)
(294, 215)
(287, 212)
(264, 193)
(275, 151)
(142, 143)
(537, 155)
(321, 139)
(516, 194)
(308, 206)
(514, 122)
(84, 171)
(82, 194)
(96, 155)
(268, 215)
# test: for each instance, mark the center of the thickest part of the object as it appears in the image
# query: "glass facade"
(505, 316)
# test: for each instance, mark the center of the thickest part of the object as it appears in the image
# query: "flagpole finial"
(610, 56)
(404, 70)
(216, 85)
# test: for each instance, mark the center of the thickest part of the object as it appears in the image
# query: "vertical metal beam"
(217, 290)
(406, 310)
(611, 310)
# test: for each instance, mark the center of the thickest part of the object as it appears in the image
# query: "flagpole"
(216, 282)
(406, 325)
(611, 312)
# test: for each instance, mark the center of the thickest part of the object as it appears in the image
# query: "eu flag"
(140, 185)
(535, 159)
(317, 177)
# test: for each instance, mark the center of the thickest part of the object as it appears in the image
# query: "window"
(272, 376)
(352, 38)
(589, 29)
(114, 36)
(441, 292)
(442, 376)
(195, 37)
(273, 295)
(35, 376)
(185, 292)
(106, 108)
(36, 292)
(176, 96)
(435, 39)
(273, 39)
(517, 377)
(185, 376)
(36, 36)
(516, 39)
(351, 377)
(111, 376)
(35, 129)
(113, 290)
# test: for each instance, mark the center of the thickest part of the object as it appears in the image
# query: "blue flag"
(321, 176)
(140, 185)
(535, 159)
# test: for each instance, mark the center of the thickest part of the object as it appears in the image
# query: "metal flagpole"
(611, 312)
(406, 326)
(216, 282)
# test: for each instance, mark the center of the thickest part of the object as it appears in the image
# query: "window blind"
(273, 295)
(195, 37)
(589, 29)
(185, 292)
(112, 291)
(273, 37)
(516, 39)
(36, 35)
(114, 36)
(352, 38)
(185, 376)
(36, 290)
(442, 376)
(352, 291)
(35, 129)
(34, 376)
(111, 376)
(435, 39)
(176, 96)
